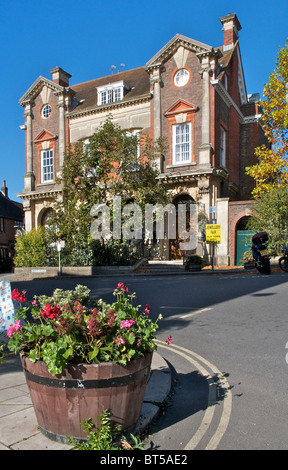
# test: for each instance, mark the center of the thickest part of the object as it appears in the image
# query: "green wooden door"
(243, 243)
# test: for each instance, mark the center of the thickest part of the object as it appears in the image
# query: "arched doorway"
(174, 245)
(46, 217)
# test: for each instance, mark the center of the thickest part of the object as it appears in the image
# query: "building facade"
(192, 94)
(11, 222)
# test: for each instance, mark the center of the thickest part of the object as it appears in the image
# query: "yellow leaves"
(271, 171)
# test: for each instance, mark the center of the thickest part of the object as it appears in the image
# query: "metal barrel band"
(89, 383)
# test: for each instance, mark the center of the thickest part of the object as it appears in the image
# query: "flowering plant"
(64, 330)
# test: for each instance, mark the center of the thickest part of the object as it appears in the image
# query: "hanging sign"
(213, 233)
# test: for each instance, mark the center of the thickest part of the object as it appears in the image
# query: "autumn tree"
(113, 163)
(270, 214)
(272, 167)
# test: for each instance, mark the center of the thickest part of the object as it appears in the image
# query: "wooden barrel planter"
(84, 391)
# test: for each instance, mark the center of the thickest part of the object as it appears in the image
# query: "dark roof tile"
(10, 209)
(86, 93)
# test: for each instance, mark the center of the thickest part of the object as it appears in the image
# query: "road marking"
(209, 413)
(201, 310)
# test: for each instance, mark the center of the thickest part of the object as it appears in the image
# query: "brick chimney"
(4, 189)
(231, 28)
(60, 77)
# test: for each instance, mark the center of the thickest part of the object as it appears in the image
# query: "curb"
(18, 425)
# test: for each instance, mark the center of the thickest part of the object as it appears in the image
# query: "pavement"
(18, 424)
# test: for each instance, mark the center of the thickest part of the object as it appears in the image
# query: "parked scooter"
(260, 253)
(283, 261)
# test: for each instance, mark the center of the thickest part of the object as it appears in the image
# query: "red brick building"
(192, 94)
(11, 220)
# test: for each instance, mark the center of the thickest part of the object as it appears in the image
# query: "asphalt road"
(228, 355)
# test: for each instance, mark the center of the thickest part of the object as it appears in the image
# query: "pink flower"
(14, 328)
(121, 285)
(147, 309)
(120, 340)
(168, 340)
(126, 324)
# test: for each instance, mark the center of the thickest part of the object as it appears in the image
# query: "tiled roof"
(137, 80)
(10, 209)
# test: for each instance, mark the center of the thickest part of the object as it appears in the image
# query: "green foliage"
(67, 330)
(30, 248)
(194, 259)
(107, 437)
(112, 253)
(270, 214)
(271, 169)
(109, 166)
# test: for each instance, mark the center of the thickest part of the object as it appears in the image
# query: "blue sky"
(87, 37)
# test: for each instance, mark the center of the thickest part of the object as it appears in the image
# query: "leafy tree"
(272, 169)
(270, 214)
(31, 248)
(110, 165)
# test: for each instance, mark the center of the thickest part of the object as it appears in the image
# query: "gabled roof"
(225, 60)
(171, 47)
(37, 86)
(10, 209)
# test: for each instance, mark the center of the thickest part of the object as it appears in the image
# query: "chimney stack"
(60, 77)
(231, 28)
(4, 189)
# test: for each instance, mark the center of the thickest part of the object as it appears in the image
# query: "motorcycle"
(260, 253)
(283, 261)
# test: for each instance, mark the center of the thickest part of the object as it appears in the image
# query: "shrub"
(30, 248)
(194, 259)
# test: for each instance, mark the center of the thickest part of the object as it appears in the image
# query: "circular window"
(181, 77)
(46, 111)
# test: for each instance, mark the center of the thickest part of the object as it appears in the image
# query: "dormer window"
(111, 93)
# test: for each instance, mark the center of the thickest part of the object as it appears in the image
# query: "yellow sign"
(213, 233)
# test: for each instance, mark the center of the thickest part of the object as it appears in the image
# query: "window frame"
(184, 77)
(50, 165)
(45, 106)
(175, 144)
(223, 147)
(111, 93)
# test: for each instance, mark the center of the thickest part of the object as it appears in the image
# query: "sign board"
(213, 233)
(7, 313)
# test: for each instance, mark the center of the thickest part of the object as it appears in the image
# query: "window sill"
(46, 183)
(177, 165)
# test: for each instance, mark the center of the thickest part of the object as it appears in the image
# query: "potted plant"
(80, 360)
(194, 263)
(248, 261)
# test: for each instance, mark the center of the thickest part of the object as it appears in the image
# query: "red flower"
(93, 323)
(168, 340)
(147, 309)
(121, 285)
(50, 312)
(17, 296)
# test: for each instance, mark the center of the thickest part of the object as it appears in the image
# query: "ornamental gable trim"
(44, 136)
(181, 106)
(37, 87)
(171, 47)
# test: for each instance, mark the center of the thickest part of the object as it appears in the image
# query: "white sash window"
(47, 166)
(182, 143)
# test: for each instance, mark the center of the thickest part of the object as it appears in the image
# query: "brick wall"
(192, 93)
(52, 125)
